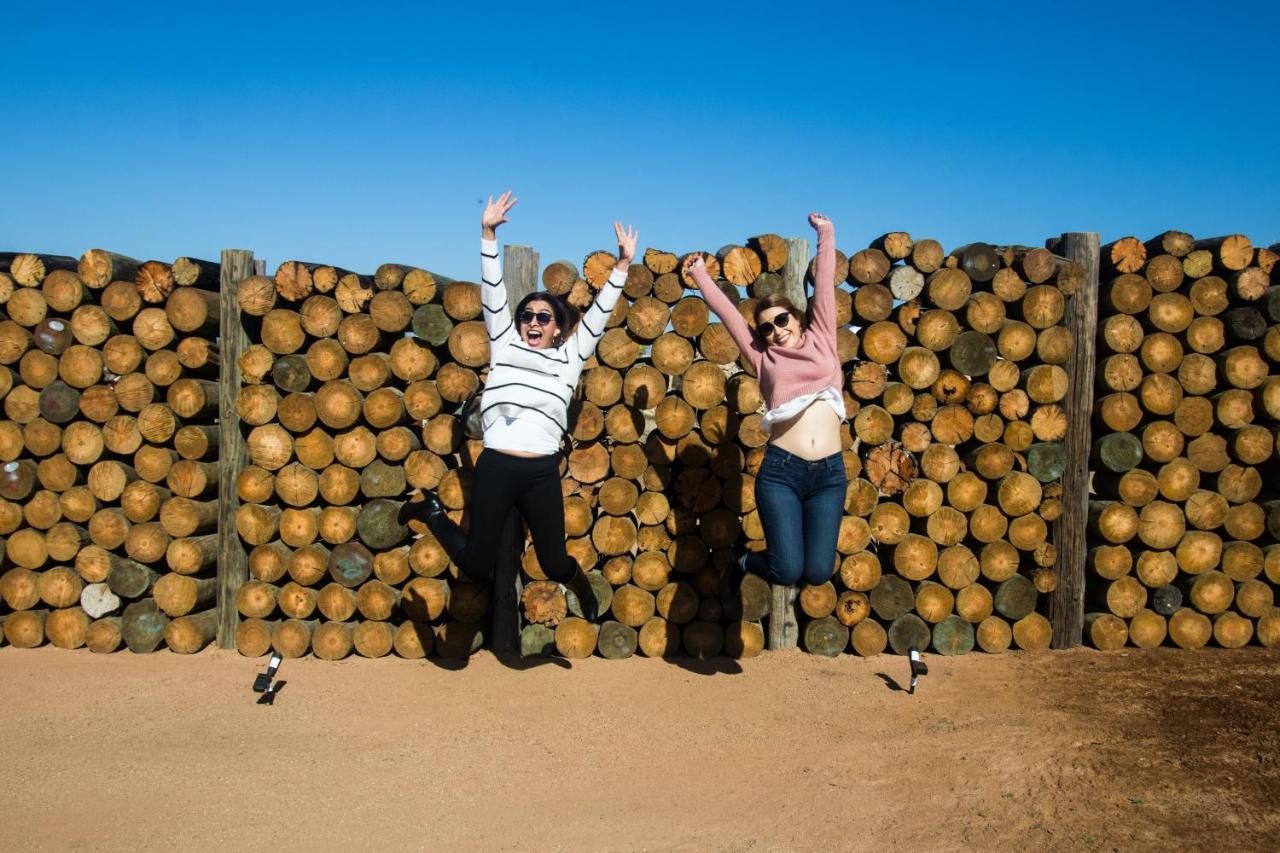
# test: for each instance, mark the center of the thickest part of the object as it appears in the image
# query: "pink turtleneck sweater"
(786, 373)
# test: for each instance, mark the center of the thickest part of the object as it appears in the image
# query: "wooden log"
(189, 634)
(702, 639)
(1189, 629)
(143, 626)
(413, 640)
(576, 638)
(826, 636)
(292, 637)
(1015, 597)
(67, 628)
(659, 638)
(743, 639)
(373, 639)
(953, 636)
(25, 629)
(909, 631)
(332, 640)
(616, 641)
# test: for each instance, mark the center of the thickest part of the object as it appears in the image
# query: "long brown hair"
(778, 300)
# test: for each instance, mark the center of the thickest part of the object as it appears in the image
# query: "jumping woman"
(800, 487)
(535, 359)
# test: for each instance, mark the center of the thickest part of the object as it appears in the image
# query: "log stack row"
(954, 383)
(1183, 518)
(108, 449)
(349, 394)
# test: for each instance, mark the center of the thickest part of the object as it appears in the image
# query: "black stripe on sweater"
(483, 411)
(523, 347)
(489, 388)
(527, 369)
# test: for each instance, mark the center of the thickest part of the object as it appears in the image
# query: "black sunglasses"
(780, 320)
(543, 317)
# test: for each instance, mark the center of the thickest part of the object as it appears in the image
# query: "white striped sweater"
(525, 405)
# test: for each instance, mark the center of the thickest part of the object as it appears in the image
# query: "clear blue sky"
(360, 133)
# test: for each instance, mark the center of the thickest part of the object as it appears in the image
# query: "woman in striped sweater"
(535, 359)
(801, 484)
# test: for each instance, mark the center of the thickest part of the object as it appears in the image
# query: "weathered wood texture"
(1066, 603)
(237, 265)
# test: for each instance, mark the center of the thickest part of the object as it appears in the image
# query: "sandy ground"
(1075, 751)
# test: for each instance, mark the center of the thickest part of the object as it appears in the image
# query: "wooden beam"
(1066, 603)
(520, 273)
(784, 629)
(233, 560)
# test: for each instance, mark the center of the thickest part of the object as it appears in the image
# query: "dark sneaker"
(580, 586)
(423, 510)
(430, 511)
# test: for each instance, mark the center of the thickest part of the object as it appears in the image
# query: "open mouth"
(533, 336)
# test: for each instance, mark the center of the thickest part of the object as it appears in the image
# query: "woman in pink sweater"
(801, 484)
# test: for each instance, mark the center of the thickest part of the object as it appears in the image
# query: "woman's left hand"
(627, 238)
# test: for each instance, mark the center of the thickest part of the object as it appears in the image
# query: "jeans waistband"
(789, 458)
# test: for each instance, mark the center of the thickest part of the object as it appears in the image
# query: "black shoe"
(430, 511)
(423, 510)
(580, 586)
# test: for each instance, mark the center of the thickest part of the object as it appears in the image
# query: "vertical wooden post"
(1066, 603)
(520, 273)
(233, 561)
(784, 629)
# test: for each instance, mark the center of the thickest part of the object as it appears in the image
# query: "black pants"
(531, 485)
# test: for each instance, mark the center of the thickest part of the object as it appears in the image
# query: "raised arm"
(728, 313)
(591, 328)
(493, 291)
(823, 316)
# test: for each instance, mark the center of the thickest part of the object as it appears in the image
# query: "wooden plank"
(520, 273)
(233, 560)
(784, 628)
(1066, 603)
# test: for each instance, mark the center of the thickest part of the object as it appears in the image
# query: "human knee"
(784, 573)
(816, 576)
(559, 570)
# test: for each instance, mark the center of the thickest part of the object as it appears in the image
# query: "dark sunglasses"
(780, 320)
(543, 317)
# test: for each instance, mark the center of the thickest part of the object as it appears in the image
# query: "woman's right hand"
(692, 263)
(495, 213)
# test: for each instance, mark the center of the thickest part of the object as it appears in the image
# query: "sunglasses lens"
(528, 317)
(779, 321)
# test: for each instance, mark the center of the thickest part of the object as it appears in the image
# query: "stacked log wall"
(108, 449)
(1184, 522)
(953, 381)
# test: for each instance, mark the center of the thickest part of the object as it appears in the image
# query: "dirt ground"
(1074, 751)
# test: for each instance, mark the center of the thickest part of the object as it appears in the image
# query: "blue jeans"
(800, 504)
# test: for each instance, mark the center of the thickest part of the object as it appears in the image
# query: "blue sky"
(355, 134)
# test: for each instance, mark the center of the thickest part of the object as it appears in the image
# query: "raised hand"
(693, 262)
(819, 221)
(495, 213)
(626, 244)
